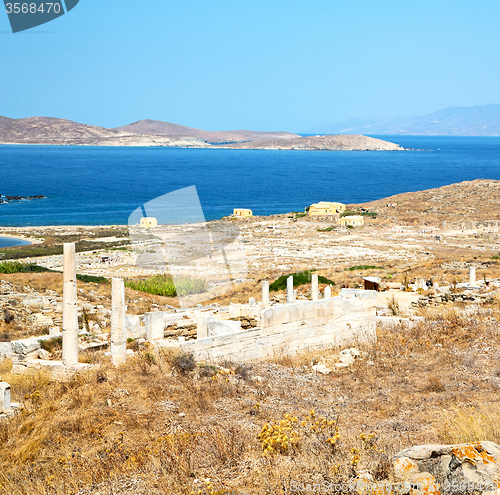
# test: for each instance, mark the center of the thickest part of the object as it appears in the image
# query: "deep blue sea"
(103, 185)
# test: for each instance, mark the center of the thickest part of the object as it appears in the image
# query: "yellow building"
(352, 221)
(242, 212)
(149, 222)
(326, 208)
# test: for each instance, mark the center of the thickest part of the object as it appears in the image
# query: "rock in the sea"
(457, 468)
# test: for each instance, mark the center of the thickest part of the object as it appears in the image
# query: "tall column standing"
(70, 309)
(472, 276)
(118, 331)
(289, 289)
(265, 293)
(314, 288)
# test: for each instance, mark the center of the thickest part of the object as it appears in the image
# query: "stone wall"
(348, 318)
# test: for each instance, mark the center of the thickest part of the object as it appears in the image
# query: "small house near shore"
(352, 221)
(326, 208)
(242, 212)
(149, 222)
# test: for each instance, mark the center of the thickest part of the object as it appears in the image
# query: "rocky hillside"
(477, 200)
(47, 130)
(346, 142)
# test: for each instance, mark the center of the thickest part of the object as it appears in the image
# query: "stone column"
(118, 331)
(265, 293)
(70, 309)
(201, 327)
(472, 276)
(4, 397)
(314, 287)
(289, 289)
(328, 292)
(154, 325)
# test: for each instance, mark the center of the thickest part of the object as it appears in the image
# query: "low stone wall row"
(345, 319)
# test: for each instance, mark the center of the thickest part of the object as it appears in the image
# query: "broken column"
(70, 309)
(265, 293)
(118, 330)
(4, 397)
(328, 292)
(472, 276)
(154, 325)
(289, 289)
(314, 287)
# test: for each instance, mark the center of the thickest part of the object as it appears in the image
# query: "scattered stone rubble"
(468, 296)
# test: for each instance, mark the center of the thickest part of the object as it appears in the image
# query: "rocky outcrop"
(6, 199)
(461, 468)
(323, 143)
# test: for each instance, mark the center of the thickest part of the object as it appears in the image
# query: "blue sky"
(262, 65)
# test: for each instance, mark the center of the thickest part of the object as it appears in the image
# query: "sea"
(104, 185)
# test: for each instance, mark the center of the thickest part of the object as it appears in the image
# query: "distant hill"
(48, 130)
(452, 121)
(159, 128)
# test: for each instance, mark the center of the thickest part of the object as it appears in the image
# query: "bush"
(51, 345)
(184, 363)
(299, 278)
(91, 278)
(163, 285)
(371, 214)
(328, 229)
(365, 267)
(18, 267)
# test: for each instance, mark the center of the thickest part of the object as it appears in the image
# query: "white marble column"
(314, 287)
(328, 292)
(472, 276)
(118, 330)
(289, 289)
(265, 293)
(70, 309)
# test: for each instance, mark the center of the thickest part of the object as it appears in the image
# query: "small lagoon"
(11, 242)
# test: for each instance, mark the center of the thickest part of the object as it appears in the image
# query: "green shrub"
(299, 278)
(51, 345)
(163, 285)
(18, 267)
(91, 278)
(365, 267)
(328, 229)
(371, 214)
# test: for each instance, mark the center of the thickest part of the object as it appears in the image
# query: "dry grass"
(472, 424)
(120, 430)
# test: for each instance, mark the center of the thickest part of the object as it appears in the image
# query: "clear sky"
(262, 65)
